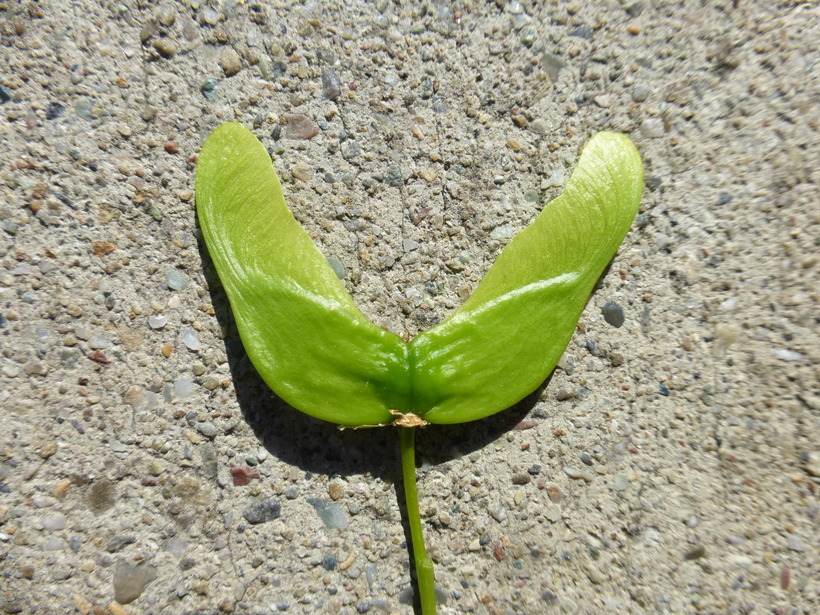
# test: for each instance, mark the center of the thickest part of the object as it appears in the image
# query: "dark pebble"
(582, 31)
(118, 542)
(208, 89)
(613, 314)
(663, 390)
(5, 95)
(331, 85)
(520, 478)
(263, 512)
(329, 562)
(535, 470)
(393, 177)
(586, 459)
(102, 496)
(592, 347)
(653, 182)
(695, 553)
(54, 110)
(186, 563)
(549, 597)
(724, 198)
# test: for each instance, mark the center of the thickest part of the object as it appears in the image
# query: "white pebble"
(787, 355)
(157, 322)
(191, 341)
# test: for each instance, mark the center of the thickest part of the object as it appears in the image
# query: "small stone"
(335, 490)
(300, 127)
(230, 62)
(183, 387)
(521, 478)
(82, 604)
(795, 543)
(595, 575)
(84, 108)
(694, 553)
(130, 581)
(242, 475)
(613, 314)
(101, 496)
(263, 512)
(48, 449)
(101, 248)
(576, 473)
(554, 493)
(539, 126)
(640, 93)
(620, 482)
(54, 110)
(177, 280)
(157, 322)
(331, 84)
(497, 512)
(331, 513)
(337, 266)
(118, 543)
(329, 562)
(653, 128)
(211, 382)
(191, 341)
(62, 489)
(208, 89)
(165, 47)
(208, 430)
(429, 175)
(149, 28)
(301, 171)
(35, 369)
(788, 355)
(43, 501)
(55, 522)
(98, 342)
(813, 463)
(208, 16)
(553, 513)
(505, 231)
(167, 17)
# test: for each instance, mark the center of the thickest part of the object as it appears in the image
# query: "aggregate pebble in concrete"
(427, 136)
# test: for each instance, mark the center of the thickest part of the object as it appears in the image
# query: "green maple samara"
(316, 350)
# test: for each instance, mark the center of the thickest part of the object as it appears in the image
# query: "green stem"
(424, 565)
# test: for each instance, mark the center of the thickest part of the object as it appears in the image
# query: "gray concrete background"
(671, 465)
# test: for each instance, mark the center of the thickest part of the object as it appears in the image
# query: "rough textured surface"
(669, 466)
